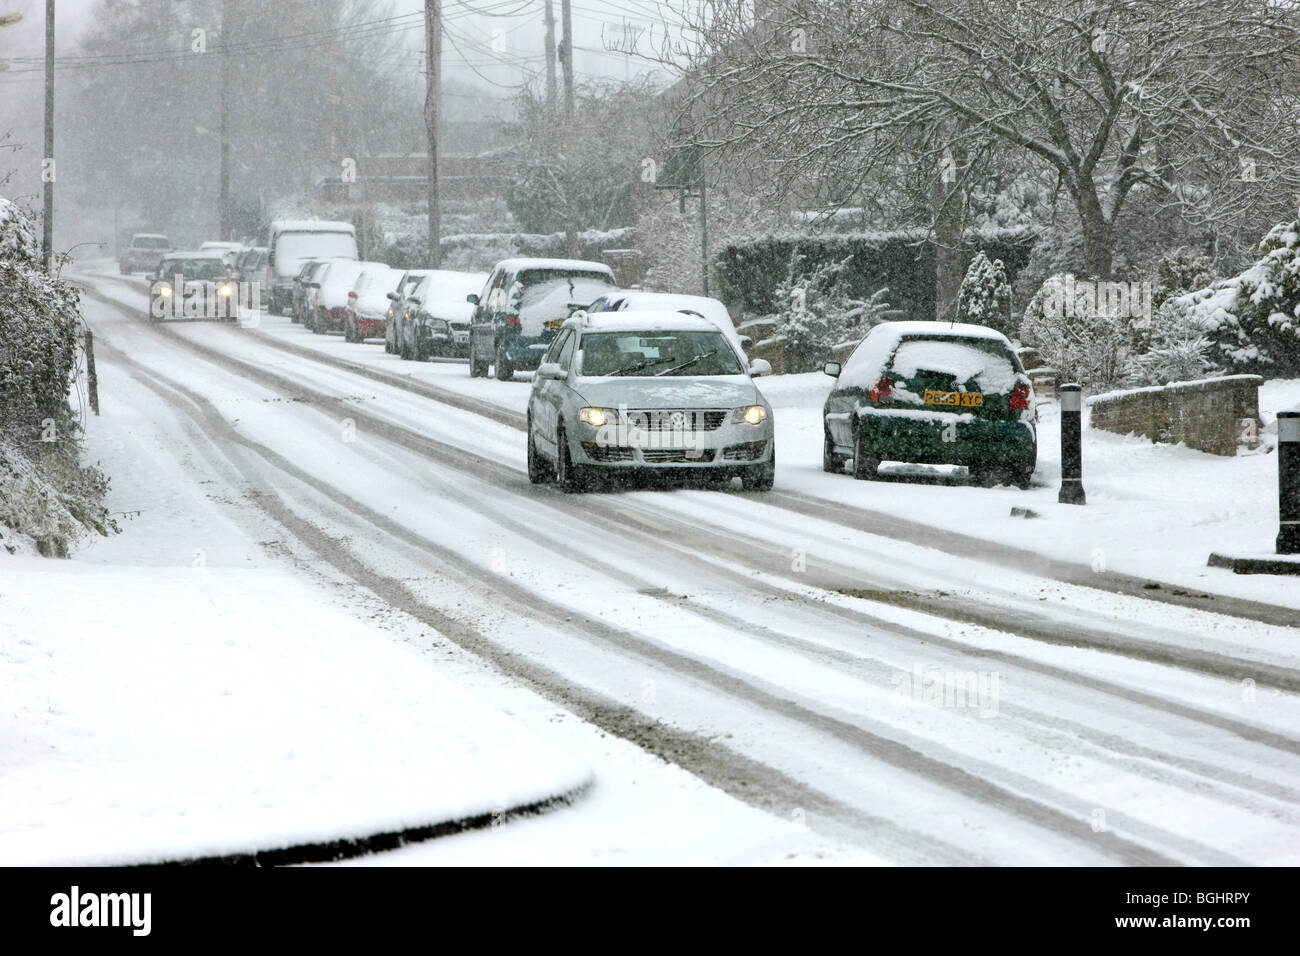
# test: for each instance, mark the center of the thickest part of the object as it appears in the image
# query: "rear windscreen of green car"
(657, 353)
(954, 364)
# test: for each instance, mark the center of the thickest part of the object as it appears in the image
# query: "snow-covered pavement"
(907, 700)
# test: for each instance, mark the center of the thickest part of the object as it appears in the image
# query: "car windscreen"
(149, 242)
(192, 268)
(316, 245)
(950, 363)
(664, 353)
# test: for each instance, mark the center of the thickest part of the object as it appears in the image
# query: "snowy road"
(920, 697)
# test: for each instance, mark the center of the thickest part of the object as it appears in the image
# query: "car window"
(951, 364)
(553, 353)
(566, 350)
(666, 353)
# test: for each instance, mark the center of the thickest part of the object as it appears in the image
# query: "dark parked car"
(523, 305)
(436, 323)
(932, 392)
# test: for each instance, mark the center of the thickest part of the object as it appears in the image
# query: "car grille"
(666, 420)
(749, 451)
(682, 456)
(607, 452)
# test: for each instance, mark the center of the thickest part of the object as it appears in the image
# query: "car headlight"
(596, 417)
(225, 290)
(749, 415)
(165, 290)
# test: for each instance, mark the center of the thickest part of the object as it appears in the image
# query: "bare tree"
(1192, 98)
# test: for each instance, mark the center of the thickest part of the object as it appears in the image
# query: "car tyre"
(505, 369)
(985, 476)
(831, 462)
(568, 476)
(762, 477)
(865, 465)
(538, 473)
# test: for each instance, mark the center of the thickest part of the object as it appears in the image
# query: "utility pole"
(47, 172)
(433, 119)
(225, 120)
(550, 57)
(570, 213)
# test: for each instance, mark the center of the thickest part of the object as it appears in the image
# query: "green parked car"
(936, 393)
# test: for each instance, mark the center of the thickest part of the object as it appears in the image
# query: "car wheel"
(984, 476)
(761, 477)
(478, 368)
(504, 367)
(865, 465)
(1021, 477)
(537, 471)
(570, 478)
(831, 462)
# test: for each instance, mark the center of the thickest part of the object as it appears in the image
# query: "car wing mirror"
(759, 367)
(472, 299)
(393, 296)
(550, 370)
(832, 369)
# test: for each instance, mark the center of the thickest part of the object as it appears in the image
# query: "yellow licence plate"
(958, 399)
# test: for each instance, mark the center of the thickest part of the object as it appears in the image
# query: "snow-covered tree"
(1193, 101)
(1254, 317)
(985, 297)
(1080, 337)
(1177, 349)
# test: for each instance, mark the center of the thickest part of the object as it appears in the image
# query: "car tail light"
(1020, 398)
(882, 391)
(513, 321)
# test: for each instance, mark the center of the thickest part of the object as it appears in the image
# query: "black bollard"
(1288, 482)
(1071, 398)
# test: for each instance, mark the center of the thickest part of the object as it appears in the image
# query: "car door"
(548, 397)
(482, 340)
(842, 403)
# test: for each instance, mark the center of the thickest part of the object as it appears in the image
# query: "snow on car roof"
(868, 359)
(573, 265)
(646, 320)
(197, 254)
(957, 329)
(312, 225)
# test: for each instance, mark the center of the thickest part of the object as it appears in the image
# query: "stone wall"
(1214, 415)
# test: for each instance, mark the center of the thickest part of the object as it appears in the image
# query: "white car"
(701, 305)
(631, 393)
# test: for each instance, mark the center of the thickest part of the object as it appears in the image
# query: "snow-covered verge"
(174, 713)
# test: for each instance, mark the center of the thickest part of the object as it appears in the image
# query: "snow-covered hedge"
(47, 499)
(1252, 320)
(748, 271)
(817, 314)
(38, 331)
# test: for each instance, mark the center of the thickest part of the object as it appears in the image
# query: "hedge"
(748, 271)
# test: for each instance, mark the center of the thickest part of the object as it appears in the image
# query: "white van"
(292, 242)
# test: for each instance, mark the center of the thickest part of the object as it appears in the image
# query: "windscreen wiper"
(678, 368)
(639, 365)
